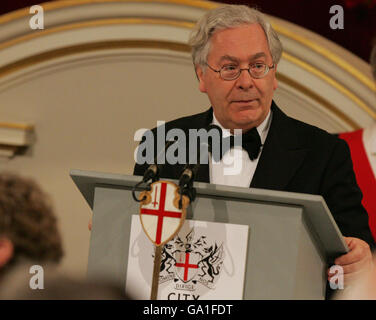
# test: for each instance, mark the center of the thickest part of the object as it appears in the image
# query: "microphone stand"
(186, 183)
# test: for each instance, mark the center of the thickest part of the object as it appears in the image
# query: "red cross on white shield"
(187, 265)
(160, 218)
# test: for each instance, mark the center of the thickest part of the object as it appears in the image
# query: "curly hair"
(27, 220)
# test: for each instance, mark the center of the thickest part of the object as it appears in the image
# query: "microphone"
(153, 171)
(188, 174)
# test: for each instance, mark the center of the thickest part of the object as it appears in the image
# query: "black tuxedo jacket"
(296, 157)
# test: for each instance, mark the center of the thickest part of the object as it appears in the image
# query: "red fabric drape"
(364, 174)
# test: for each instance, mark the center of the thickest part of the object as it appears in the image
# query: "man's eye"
(258, 66)
(229, 68)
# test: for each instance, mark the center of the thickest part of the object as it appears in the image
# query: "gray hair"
(373, 60)
(225, 17)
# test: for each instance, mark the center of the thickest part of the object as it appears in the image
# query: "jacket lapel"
(282, 154)
(200, 121)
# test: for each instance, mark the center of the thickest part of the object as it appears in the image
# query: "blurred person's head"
(28, 226)
(57, 284)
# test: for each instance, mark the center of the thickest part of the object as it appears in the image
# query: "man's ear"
(201, 78)
(6, 251)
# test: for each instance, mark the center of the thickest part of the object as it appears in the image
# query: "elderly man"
(236, 54)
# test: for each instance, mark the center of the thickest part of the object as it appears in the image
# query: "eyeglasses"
(231, 72)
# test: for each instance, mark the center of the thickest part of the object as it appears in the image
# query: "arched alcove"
(100, 70)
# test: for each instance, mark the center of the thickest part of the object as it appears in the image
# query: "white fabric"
(235, 167)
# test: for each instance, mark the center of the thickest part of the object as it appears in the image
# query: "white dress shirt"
(369, 142)
(236, 168)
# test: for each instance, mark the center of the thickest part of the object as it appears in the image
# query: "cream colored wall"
(87, 105)
(86, 114)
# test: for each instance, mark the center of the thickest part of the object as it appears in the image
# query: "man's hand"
(363, 289)
(356, 262)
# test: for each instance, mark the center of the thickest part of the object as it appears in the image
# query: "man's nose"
(245, 80)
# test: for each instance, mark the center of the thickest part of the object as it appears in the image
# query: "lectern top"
(316, 211)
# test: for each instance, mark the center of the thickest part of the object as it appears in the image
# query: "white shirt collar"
(262, 129)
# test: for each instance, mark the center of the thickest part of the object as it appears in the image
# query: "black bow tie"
(251, 142)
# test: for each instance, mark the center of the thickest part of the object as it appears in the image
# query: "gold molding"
(48, 6)
(331, 82)
(53, 5)
(15, 137)
(322, 101)
(95, 23)
(204, 5)
(21, 126)
(90, 47)
(327, 54)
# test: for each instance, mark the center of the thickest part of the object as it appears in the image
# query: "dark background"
(359, 18)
